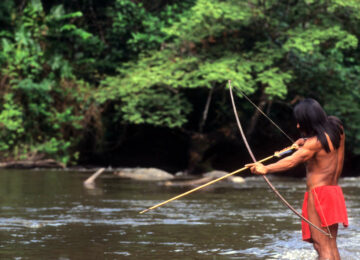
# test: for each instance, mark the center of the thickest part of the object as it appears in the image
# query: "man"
(322, 149)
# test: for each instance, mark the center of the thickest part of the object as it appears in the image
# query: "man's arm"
(303, 154)
(341, 155)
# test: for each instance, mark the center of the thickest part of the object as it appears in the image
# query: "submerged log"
(90, 182)
(206, 178)
(29, 164)
(144, 174)
(189, 183)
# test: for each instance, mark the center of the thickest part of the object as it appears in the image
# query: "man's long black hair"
(313, 121)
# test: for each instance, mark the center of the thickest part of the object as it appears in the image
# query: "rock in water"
(237, 179)
(145, 174)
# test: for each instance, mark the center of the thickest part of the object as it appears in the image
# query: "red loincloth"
(330, 206)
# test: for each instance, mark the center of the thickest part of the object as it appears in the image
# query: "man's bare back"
(323, 168)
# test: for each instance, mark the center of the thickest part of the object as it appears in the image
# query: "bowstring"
(322, 212)
(271, 121)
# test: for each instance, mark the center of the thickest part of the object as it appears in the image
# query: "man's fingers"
(256, 168)
(300, 142)
(296, 146)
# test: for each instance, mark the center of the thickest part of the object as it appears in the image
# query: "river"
(50, 215)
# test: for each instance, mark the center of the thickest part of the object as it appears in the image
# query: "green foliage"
(147, 95)
(34, 71)
(179, 67)
(11, 124)
(135, 29)
(313, 39)
(211, 18)
(277, 49)
(275, 81)
(155, 107)
(148, 90)
(70, 69)
(55, 148)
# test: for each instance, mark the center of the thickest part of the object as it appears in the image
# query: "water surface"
(50, 215)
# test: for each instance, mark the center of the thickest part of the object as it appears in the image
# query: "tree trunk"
(206, 110)
(199, 144)
(262, 103)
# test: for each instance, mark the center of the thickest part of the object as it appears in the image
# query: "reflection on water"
(50, 215)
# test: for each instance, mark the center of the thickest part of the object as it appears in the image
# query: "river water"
(50, 215)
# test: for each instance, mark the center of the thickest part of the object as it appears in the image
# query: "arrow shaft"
(204, 185)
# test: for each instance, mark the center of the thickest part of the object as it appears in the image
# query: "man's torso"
(324, 168)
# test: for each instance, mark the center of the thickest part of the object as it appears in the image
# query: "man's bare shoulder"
(313, 144)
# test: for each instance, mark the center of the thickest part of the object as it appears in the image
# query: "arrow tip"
(145, 210)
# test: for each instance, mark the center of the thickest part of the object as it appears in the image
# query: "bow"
(265, 178)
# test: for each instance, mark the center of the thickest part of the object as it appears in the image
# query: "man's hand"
(300, 142)
(257, 168)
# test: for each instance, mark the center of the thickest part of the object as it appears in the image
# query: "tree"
(273, 49)
(71, 71)
(41, 106)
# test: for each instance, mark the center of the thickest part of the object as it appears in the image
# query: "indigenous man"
(322, 148)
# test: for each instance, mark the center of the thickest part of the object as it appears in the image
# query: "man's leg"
(321, 242)
(333, 244)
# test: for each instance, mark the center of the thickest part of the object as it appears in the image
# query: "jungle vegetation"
(82, 77)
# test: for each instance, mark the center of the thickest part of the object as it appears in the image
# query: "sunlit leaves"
(210, 18)
(155, 106)
(275, 81)
(11, 123)
(147, 92)
(352, 7)
(314, 39)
